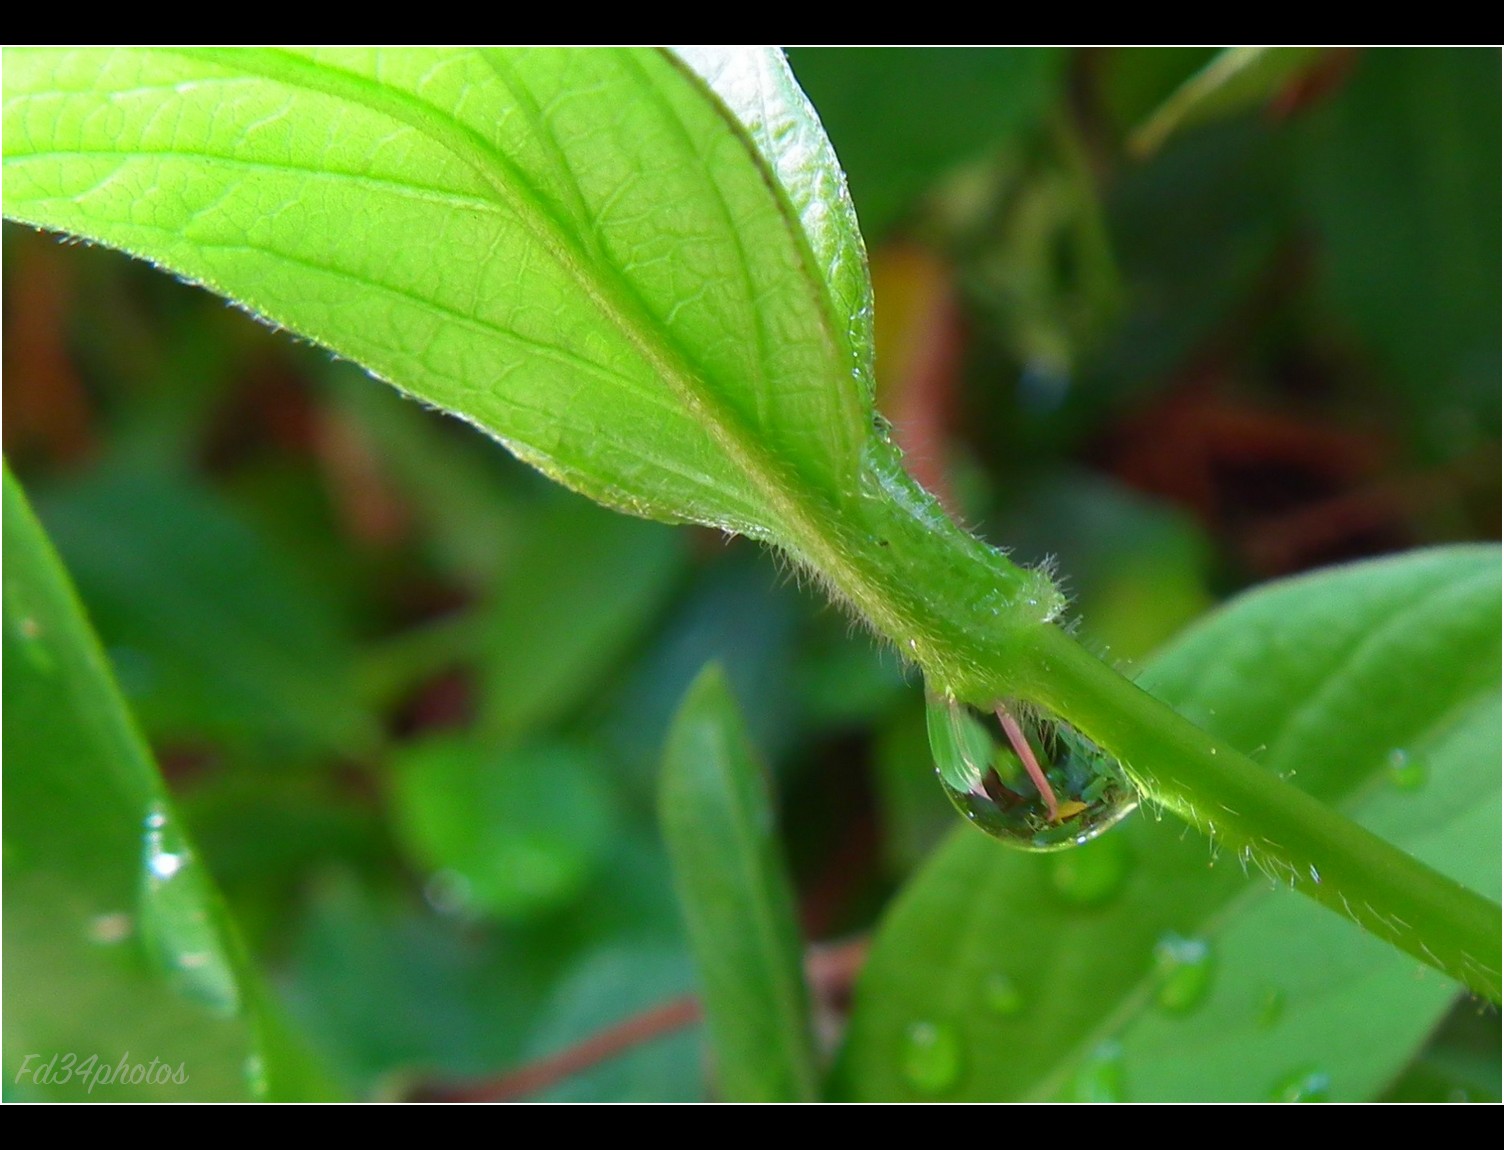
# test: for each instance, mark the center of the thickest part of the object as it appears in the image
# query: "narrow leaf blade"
(718, 822)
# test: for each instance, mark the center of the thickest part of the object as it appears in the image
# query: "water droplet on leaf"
(184, 943)
(1183, 969)
(1307, 1085)
(931, 1057)
(1092, 875)
(1001, 995)
(108, 929)
(1037, 784)
(1100, 1077)
(1406, 771)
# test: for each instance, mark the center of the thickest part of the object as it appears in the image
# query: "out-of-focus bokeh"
(412, 697)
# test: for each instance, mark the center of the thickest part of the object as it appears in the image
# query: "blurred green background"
(412, 698)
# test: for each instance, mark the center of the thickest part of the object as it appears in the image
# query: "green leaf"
(1234, 80)
(511, 832)
(718, 821)
(116, 957)
(1376, 688)
(584, 584)
(576, 250)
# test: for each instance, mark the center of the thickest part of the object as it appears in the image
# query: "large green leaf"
(577, 250)
(1131, 967)
(121, 982)
(718, 823)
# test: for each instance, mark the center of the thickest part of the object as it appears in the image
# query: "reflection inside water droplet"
(1037, 784)
(931, 1057)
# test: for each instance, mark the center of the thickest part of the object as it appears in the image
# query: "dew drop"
(1092, 875)
(1305, 1085)
(1100, 1077)
(994, 786)
(1183, 973)
(931, 1057)
(31, 634)
(1407, 772)
(256, 1077)
(1001, 995)
(108, 929)
(184, 944)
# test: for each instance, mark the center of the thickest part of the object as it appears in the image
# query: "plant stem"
(1255, 813)
(979, 626)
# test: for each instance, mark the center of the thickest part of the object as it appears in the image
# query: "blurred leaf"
(901, 118)
(734, 615)
(1234, 80)
(212, 630)
(461, 496)
(115, 950)
(1136, 81)
(1137, 570)
(718, 822)
(1193, 230)
(1460, 1063)
(1402, 173)
(606, 989)
(584, 584)
(915, 812)
(261, 834)
(1127, 966)
(388, 991)
(580, 251)
(511, 832)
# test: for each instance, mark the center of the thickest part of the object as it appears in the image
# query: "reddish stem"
(1031, 764)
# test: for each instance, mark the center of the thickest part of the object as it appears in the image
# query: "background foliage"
(412, 701)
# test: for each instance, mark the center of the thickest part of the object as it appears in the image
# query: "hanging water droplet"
(931, 1057)
(1001, 995)
(1406, 771)
(1036, 784)
(1183, 970)
(1100, 1077)
(1092, 875)
(184, 943)
(1305, 1085)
